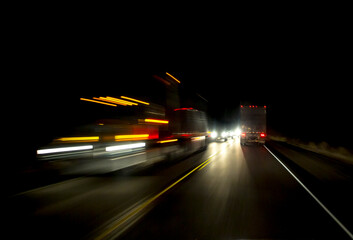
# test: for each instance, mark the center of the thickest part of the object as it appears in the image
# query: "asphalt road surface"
(226, 192)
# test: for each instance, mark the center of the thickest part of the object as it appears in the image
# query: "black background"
(301, 71)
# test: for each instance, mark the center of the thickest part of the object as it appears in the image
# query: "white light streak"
(64, 149)
(125, 146)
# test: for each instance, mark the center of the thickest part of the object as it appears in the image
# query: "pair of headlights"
(215, 134)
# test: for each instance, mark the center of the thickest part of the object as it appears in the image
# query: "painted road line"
(311, 194)
(139, 208)
(204, 166)
(209, 161)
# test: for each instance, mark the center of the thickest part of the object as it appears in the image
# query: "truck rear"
(253, 124)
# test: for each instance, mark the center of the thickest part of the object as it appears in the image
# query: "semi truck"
(253, 124)
(116, 132)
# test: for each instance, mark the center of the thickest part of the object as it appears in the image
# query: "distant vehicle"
(221, 136)
(253, 124)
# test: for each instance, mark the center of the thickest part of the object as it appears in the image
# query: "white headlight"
(214, 134)
(224, 134)
(237, 132)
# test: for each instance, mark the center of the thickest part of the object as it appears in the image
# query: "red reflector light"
(262, 134)
(243, 134)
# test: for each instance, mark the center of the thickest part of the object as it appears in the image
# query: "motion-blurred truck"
(253, 124)
(137, 126)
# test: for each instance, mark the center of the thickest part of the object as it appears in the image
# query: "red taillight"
(262, 134)
(178, 109)
(243, 134)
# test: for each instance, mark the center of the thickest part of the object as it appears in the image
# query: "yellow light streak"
(135, 100)
(107, 100)
(170, 75)
(79, 139)
(167, 141)
(131, 137)
(198, 138)
(151, 120)
(122, 101)
(115, 100)
(90, 100)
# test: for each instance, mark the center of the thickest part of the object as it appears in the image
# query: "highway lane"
(226, 192)
(76, 208)
(243, 193)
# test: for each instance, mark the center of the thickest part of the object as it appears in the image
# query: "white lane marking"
(311, 194)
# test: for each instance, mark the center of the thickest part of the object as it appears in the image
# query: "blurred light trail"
(151, 120)
(170, 75)
(162, 80)
(125, 146)
(79, 139)
(90, 100)
(198, 138)
(116, 100)
(178, 109)
(131, 137)
(111, 101)
(135, 100)
(167, 141)
(64, 149)
(120, 100)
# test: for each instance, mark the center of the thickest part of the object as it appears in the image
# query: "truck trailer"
(253, 124)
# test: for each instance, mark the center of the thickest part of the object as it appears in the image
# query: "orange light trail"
(131, 137)
(79, 139)
(167, 141)
(151, 120)
(90, 100)
(107, 100)
(120, 100)
(135, 100)
(170, 75)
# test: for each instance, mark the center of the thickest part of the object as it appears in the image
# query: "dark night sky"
(312, 103)
(308, 99)
(304, 79)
